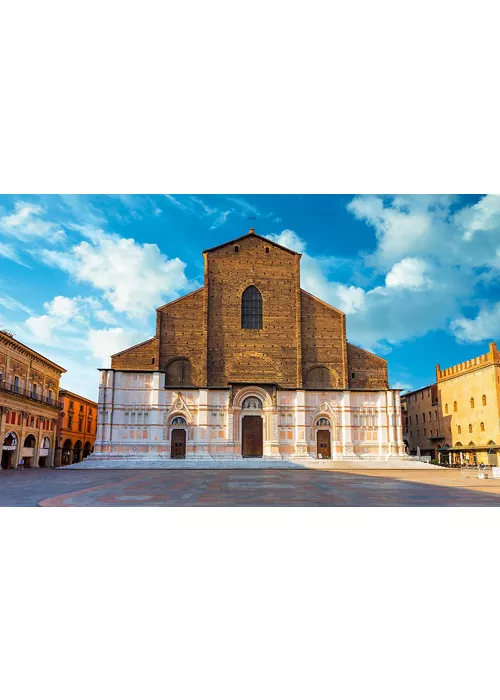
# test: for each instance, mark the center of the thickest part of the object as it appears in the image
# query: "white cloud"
(26, 224)
(485, 326)
(482, 216)
(384, 315)
(410, 272)
(63, 308)
(135, 278)
(8, 251)
(107, 341)
(13, 305)
(221, 219)
(347, 298)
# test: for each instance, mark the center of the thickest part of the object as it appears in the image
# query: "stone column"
(236, 414)
(399, 425)
(347, 444)
(3, 415)
(300, 428)
(203, 433)
(380, 421)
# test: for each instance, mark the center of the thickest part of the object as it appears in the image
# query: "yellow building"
(469, 398)
(77, 428)
(29, 405)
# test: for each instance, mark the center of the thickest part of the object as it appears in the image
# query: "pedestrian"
(21, 463)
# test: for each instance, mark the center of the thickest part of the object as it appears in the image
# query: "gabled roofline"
(370, 353)
(256, 235)
(325, 303)
(138, 345)
(174, 301)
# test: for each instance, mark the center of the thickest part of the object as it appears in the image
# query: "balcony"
(38, 397)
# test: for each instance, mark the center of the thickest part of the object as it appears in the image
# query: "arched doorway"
(252, 438)
(44, 455)
(9, 448)
(87, 449)
(323, 438)
(178, 438)
(28, 451)
(66, 453)
(77, 451)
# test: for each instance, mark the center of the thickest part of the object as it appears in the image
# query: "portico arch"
(28, 452)
(10, 446)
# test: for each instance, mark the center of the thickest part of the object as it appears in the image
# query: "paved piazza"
(289, 487)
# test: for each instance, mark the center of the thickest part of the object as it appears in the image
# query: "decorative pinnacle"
(252, 230)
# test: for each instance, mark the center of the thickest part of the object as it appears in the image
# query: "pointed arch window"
(484, 400)
(472, 403)
(251, 308)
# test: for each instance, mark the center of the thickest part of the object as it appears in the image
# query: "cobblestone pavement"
(246, 488)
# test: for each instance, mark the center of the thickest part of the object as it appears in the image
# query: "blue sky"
(417, 275)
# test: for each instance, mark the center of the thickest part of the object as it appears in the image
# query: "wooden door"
(324, 445)
(178, 449)
(252, 445)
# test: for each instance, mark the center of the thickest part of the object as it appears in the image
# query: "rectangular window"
(34, 390)
(50, 394)
(80, 425)
(70, 422)
(16, 384)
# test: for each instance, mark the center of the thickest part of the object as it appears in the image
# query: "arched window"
(454, 405)
(472, 403)
(446, 408)
(482, 427)
(470, 428)
(178, 373)
(484, 400)
(459, 429)
(319, 378)
(251, 308)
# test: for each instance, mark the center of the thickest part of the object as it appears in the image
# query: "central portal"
(178, 447)
(252, 444)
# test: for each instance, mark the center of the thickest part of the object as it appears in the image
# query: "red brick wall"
(370, 371)
(272, 354)
(137, 357)
(323, 340)
(180, 327)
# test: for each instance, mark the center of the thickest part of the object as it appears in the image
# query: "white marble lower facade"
(137, 417)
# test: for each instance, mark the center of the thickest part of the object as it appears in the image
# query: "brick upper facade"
(200, 341)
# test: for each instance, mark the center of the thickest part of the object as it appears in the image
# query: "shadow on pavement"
(252, 487)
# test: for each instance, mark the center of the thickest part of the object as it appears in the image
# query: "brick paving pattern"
(241, 487)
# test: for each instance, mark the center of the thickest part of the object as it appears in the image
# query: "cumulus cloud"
(483, 327)
(107, 341)
(134, 277)
(313, 279)
(410, 272)
(384, 315)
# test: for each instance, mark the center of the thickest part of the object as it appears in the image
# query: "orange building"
(77, 428)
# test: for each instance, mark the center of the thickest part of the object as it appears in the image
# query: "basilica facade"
(249, 365)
